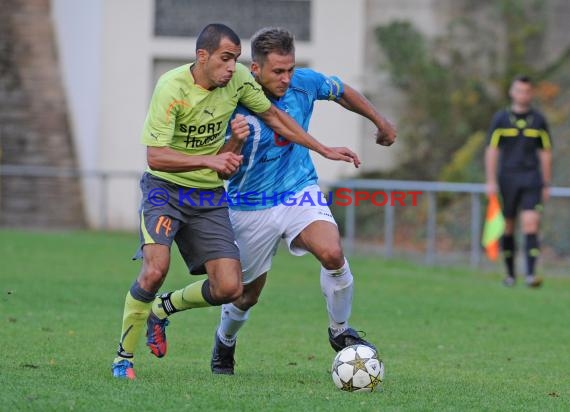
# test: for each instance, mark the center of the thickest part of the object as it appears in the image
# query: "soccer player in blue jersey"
(274, 175)
(184, 131)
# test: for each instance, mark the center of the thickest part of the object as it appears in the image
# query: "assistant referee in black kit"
(518, 163)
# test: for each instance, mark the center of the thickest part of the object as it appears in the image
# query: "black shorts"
(196, 219)
(519, 193)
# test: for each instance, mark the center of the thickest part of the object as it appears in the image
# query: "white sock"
(231, 322)
(337, 286)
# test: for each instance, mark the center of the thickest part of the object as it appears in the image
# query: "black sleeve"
(545, 141)
(493, 134)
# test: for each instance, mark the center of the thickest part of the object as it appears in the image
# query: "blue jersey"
(273, 168)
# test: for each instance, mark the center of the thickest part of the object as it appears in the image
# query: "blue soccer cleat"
(123, 370)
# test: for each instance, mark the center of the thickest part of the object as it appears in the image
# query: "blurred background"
(76, 77)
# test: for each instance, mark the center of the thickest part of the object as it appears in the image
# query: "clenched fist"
(240, 127)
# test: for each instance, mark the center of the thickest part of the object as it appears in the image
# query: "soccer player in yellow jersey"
(183, 196)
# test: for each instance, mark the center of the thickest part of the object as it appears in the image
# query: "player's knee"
(332, 257)
(530, 222)
(227, 292)
(248, 299)
(152, 277)
(530, 227)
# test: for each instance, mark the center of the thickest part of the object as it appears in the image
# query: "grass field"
(451, 338)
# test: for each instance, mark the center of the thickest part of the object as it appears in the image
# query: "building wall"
(430, 17)
(34, 127)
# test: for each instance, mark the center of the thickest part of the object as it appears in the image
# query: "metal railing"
(429, 189)
(103, 178)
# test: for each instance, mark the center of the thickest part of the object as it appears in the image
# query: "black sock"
(532, 249)
(508, 246)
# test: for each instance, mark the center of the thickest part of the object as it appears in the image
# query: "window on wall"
(186, 18)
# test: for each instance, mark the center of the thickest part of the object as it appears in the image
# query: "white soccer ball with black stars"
(357, 368)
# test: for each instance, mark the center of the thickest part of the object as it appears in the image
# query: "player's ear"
(255, 68)
(510, 92)
(202, 55)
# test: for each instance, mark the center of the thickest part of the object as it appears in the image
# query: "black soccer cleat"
(348, 338)
(222, 362)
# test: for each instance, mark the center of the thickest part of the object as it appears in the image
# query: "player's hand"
(342, 153)
(225, 163)
(386, 134)
(491, 188)
(240, 128)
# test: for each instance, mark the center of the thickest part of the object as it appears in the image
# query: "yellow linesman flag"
(493, 229)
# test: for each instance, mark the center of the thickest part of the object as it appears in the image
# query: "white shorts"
(258, 232)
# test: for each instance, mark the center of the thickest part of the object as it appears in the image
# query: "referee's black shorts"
(520, 192)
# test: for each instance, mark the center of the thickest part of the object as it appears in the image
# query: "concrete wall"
(430, 17)
(34, 126)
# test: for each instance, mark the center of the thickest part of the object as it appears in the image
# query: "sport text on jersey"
(198, 136)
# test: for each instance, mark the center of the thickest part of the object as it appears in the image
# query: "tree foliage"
(454, 84)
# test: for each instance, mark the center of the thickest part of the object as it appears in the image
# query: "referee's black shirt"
(519, 137)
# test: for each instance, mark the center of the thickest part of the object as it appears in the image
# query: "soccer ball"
(357, 368)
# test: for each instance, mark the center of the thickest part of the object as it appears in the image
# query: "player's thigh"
(160, 218)
(156, 261)
(207, 236)
(257, 235)
(297, 218)
(322, 239)
(531, 205)
(510, 191)
(530, 221)
(224, 275)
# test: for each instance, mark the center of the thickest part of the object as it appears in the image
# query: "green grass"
(451, 338)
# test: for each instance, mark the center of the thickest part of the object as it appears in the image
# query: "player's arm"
(165, 159)
(492, 154)
(284, 125)
(357, 103)
(239, 133)
(491, 161)
(545, 158)
(234, 144)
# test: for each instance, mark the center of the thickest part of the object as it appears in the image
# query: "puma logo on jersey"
(211, 111)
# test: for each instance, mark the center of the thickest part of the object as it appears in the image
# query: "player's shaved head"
(271, 40)
(210, 37)
(522, 78)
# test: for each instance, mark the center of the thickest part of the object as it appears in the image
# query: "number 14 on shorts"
(165, 223)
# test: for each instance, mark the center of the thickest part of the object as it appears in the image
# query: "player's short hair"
(210, 37)
(523, 78)
(271, 40)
